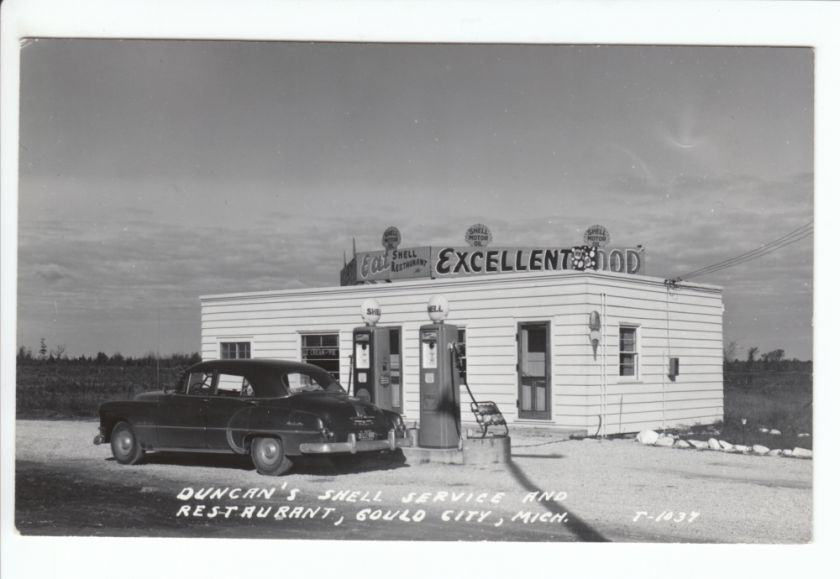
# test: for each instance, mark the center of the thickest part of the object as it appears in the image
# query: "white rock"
(647, 437)
(802, 453)
(803, 435)
(682, 444)
(665, 441)
(699, 444)
(775, 452)
(787, 452)
(714, 444)
(775, 432)
(759, 449)
(763, 430)
(726, 446)
(742, 448)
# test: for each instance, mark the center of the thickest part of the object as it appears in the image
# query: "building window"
(462, 354)
(628, 351)
(322, 351)
(235, 350)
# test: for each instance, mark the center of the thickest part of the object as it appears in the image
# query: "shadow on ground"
(334, 465)
(581, 530)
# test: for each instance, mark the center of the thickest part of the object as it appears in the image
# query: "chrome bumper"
(353, 446)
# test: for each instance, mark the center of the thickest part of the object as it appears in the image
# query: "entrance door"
(534, 370)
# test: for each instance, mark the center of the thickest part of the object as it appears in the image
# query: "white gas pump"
(372, 359)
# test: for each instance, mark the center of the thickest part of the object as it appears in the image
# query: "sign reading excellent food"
(459, 261)
(397, 263)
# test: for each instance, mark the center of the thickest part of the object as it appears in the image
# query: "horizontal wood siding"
(490, 309)
(680, 322)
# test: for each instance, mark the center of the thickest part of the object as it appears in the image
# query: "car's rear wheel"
(124, 445)
(269, 457)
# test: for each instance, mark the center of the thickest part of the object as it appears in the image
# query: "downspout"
(604, 334)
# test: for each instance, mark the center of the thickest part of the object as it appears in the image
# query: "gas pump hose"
(453, 354)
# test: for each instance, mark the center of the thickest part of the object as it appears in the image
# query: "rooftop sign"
(478, 235)
(391, 238)
(448, 262)
(597, 235)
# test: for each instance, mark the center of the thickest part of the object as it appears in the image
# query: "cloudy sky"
(153, 172)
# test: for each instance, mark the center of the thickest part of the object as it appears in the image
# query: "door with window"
(534, 370)
(182, 418)
(233, 393)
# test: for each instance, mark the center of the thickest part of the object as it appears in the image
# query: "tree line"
(774, 360)
(58, 355)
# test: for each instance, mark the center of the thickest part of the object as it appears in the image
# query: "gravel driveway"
(554, 490)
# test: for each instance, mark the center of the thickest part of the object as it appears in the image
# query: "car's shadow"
(320, 465)
(349, 463)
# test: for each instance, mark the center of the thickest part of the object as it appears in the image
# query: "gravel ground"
(65, 485)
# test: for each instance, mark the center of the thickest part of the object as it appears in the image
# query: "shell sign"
(391, 238)
(478, 235)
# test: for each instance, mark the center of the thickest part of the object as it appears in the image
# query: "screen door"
(534, 371)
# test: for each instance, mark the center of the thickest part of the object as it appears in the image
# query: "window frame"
(636, 352)
(236, 344)
(321, 333)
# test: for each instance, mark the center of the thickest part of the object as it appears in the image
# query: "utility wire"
(745, 258)
(763, 250)
(794, 236)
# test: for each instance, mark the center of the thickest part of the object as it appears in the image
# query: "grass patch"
(769, 397)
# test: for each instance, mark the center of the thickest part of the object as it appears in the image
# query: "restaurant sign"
(409, 262)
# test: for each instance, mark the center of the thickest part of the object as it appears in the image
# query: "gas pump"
(372, 359)
(440, 399)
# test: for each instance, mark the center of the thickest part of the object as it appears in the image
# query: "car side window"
(199, 384)
(302, 382)
(232, 386)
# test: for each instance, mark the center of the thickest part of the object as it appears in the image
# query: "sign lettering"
(444, 262)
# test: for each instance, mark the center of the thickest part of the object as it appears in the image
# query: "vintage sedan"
(273, 410)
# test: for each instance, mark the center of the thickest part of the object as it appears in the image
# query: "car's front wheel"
(269, 457)
(124, 445)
